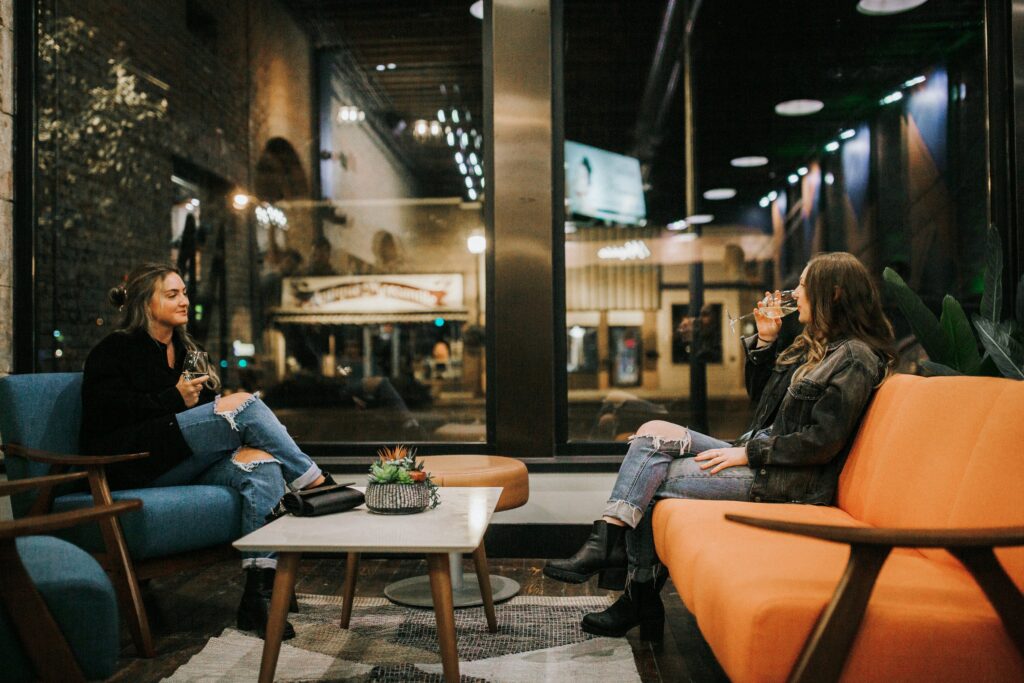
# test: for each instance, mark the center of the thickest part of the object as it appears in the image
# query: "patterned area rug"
(538, 639)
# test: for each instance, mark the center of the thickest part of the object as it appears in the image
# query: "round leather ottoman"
(468, 470)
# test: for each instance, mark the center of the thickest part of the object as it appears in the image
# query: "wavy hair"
(132, 298)
(845, 304)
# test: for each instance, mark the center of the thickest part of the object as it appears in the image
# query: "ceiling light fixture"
(720, 193)
(773, 195)
(877, 8)
(440, 115)
(799, 107)
(749, 162)
(793, 178)
(830, 178)
(802, 171)
(381, 67)
(699, 218)
(677, 225)
(891, 97)
(392, 66)
(832, 146)
(477, 9)
(914, 81)
(764, 202)
(848, 133)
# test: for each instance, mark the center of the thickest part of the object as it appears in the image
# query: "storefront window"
(815, 127)
(316, 173)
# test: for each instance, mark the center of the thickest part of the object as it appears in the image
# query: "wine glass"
(785, 305)
(197, 364)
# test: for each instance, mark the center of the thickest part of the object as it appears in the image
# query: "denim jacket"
(812, 420)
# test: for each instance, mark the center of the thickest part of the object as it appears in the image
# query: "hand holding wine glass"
(768, 316)
(194, 373)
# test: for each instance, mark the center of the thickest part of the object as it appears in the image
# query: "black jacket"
(129, 401)
(812, 422)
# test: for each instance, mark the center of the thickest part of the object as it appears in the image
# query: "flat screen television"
(603, 184)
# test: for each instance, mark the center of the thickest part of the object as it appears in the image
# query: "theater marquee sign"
(380, 294)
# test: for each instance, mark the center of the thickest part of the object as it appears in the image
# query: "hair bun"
(118, 296)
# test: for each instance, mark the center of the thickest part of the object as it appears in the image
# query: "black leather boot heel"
(639, 606)
(254, 609)
(604, 549)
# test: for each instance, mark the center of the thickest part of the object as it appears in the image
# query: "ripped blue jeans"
(215, 437)
(656, 468)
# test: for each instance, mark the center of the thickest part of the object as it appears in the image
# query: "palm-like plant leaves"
(933, 369)
(922, 321)
(963, 345)
(1006, 352)
(992, 296)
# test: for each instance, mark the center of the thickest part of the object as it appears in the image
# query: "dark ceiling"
(748, 56)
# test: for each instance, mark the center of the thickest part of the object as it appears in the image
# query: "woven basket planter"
(397, 499)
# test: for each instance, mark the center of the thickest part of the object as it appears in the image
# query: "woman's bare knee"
(247, 455)
(665, 430)
(225, 404)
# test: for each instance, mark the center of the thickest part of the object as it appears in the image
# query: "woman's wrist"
(762, 342)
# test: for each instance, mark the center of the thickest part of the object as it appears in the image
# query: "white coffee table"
(457, 525)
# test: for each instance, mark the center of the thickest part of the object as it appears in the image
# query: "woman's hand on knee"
(720, 458)
(247, 455)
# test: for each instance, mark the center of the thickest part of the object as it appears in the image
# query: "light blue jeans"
(215, 437)
(645, 477)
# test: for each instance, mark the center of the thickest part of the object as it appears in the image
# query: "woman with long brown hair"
(135, 398)
(810, 398)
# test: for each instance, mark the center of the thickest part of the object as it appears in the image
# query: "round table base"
(415, 591)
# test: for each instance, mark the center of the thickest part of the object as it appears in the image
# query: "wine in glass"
(197, 364)
(772, 308)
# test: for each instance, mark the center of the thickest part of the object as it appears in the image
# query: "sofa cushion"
(173, 519)
(940, 452)
(756, 595)
(79, 596)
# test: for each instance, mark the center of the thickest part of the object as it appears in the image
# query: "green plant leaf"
(933, 369)
(988, 367)
(1006, 352)
(992, 295)
(922, 321)
(965, 357)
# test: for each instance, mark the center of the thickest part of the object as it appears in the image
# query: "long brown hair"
(845, 304)
(132, 299)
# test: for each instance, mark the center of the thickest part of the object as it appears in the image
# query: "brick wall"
(6, 179)
(107, 154)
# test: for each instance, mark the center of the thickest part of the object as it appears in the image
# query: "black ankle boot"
(254, 608)
(604, 550)
(639, 606)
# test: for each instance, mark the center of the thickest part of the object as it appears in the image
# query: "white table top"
(456, 525)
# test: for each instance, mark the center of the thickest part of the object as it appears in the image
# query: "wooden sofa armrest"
(825, 652)
(895, 538)
(43, 524)
(10, 487)
(70, 460)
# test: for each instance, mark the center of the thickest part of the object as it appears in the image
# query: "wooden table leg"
(348, 593)
(483, 578)
(444, 613)
(284, 584)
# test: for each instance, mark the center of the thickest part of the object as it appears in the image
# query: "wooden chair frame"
(44, 643)
(827, 647)
(125, 573)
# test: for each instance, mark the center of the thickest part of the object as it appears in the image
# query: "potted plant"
(398, 484)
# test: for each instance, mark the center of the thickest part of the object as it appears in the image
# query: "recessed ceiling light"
(799, 107)
(883, 7)
(802, 171)
(382, 67)
(848, 133)
(477, 9)
(392, 66)
(793, 178)
(677, 225)
(749, 162)
(699, 218)
(832, 146)
(720, 193)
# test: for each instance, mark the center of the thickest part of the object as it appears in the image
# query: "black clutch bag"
(322, 500)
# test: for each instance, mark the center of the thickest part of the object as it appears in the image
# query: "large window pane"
(314, 168)
(882, 154)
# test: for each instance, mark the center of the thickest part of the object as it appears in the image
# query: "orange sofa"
(937, 463)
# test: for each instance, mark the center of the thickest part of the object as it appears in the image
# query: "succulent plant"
(398, 465)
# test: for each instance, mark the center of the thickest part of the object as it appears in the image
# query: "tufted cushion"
(482, 470)
(173, 519)
(82, 601)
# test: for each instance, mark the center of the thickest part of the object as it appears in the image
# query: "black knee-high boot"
(254, 608)
(604, 551)
(640, 605)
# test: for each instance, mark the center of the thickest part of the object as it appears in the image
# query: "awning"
(283, 317)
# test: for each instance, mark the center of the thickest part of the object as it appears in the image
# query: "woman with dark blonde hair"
(810, 398)
(135, 398)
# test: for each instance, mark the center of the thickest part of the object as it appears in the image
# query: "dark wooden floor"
(189, 608)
